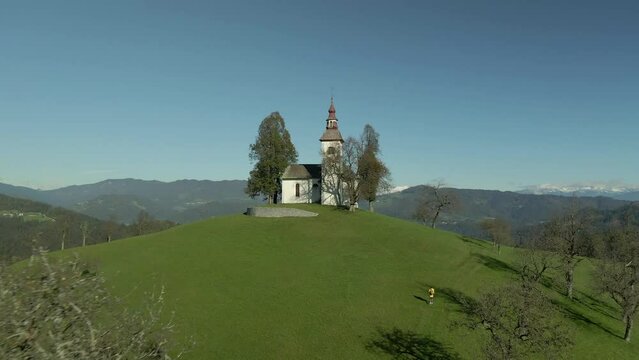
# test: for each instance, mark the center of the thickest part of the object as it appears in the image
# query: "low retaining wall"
(278, 212)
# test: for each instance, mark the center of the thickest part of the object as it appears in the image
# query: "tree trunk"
(63, 238)
(351, 207)
(109, 238)
(270, 199)
(628, 332)
(434, 219)
(570, 280)
(370, 206)
(275, 198)
(84, 240)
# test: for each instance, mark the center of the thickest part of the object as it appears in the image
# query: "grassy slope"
(322, 287)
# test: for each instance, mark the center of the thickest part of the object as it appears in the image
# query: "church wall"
(308, 193)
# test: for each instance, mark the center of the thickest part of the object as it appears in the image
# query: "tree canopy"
(272, 152)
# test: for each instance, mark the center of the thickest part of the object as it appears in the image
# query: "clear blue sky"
(483, 94)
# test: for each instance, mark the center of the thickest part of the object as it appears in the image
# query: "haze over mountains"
(122, 199)
(186, 201)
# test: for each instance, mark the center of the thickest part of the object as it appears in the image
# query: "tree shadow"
(471, 241)
(407, 345)
(464, 302)
(576, 316)
(495, 264)
(596, 304)
(551, 284)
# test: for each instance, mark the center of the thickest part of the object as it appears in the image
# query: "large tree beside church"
(272, 152)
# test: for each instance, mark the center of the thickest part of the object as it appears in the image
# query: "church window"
(297, 190)
(331, 151)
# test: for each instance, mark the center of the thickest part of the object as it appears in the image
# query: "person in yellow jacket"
(431, 295)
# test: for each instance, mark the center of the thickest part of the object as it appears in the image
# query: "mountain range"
(186, 201)
(123, 199)
(518, 209)
(615, 191)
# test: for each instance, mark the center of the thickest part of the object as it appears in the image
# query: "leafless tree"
(64, 226)
(567, 234)
(352, 151)
(84, 228)
(60, 309)
(617, 274)
(498, 230)
(142, 222)
(536, 260)
(520, 321)
(331, 177)
(433, 201)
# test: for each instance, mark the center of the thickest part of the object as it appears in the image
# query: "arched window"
(297, 190)
(331, 151)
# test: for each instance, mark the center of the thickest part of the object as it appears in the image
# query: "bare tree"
(142, 222)
(84, 228)
(61, 310)
(433, 201)
(352, 151)
(567, 234)
(64, 226)
(618, 273)
(498, 230)
(111, 226)
(536, 260)
(332, 177)
(520, 321)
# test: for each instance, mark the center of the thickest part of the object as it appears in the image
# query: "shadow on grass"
(407, 345)
(465, 303)
(495, 264)
(578, 317)
(472, 241)
(597, 305)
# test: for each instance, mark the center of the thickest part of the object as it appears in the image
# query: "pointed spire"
(331, 111)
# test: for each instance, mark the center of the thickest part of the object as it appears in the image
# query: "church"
(311, 183)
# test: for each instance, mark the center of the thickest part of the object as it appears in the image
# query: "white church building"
(310, 183)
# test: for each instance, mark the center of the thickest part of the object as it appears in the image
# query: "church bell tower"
(331, 141)
(331, 145)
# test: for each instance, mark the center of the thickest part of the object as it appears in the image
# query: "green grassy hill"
(328, 287)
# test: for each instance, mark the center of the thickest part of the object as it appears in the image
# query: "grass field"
(329, 287)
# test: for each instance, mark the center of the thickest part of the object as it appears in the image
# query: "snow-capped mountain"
(613, 190)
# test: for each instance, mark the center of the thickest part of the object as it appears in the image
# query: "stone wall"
(278, 212)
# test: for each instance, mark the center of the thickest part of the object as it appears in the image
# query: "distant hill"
(122, 199)
(520, 210)
(186, 201)
(337, 286)
(26, 223)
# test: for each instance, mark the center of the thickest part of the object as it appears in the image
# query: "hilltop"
(186, 201)
(331, 287)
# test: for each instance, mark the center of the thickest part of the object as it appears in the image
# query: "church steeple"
(331, 134)
(331, 122)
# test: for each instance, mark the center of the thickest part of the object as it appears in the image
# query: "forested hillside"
(25, 224)
(519, 210)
